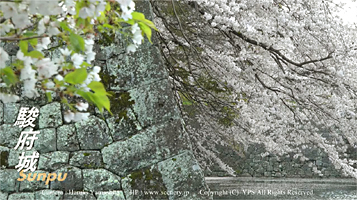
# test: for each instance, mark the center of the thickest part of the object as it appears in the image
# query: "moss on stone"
(4, 159)
(149, 180)
(120, 102)
(106, 39)
(107, 79)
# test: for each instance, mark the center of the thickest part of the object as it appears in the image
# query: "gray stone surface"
(107, 156)
(10, 112)
(8, 180)
(9, 135)
(79, 195)
(148, 68)
(1, 113)
(143, 183)
(50, 115)
(110, 195)
(146, 148)
(66, 138)
(93, 133)
(3, 195)
(51, 161)
(31, 186)
(13, 156)
(49, 195)
(86, 159)
(100, 180)
(179, 169)
(46, 141)
(121, 128)
(24, 195)
(74, 180)
(162, 106)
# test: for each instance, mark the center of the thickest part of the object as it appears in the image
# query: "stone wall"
(142, 148)
(251, 163)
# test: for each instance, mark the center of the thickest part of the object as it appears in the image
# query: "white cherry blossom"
(3, 58)
(82, 106)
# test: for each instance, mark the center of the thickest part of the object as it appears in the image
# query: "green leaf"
(86, 95)
(33, 42)
(102, 101)
(108, 26)
(141, 17)
(97, 87)
(77, 42)
(30, 33)
(130, 21)
(77, 76)
(65, 27)
(138, 16)
(35, 54)
(49, 96)
(107, 7)
(146, 30)
(24, 44)
(79, 6)
(8, 75)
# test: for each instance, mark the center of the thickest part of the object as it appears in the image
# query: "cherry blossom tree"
(73, 25)
(276, 72)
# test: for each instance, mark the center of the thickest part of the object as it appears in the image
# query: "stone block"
(3, 195)
(100, 180)
(54, 160)
(124, 126)
(143, 183)
(183, 169)
(78, 195)
(46, 141)
(49, 195)
(111, 195)
(148, 68)
(8, 180)
(11, 111)
(93, 133)
(1, 113)
(9, 135)
(50, 115)
(67, 138)
(73, 181)
(31, 186)
(146, 148)
(24, 195)
(86, 159)
(154, 103)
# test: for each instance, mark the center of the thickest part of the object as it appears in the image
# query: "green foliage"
(144, 24)
(8, 76)
(35, 54)
(228, 116)
(77, 76)
(24, 44)
(107, 25)
(76, 42)
(49, 97)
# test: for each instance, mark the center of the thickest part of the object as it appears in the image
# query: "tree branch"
(277, 52)
(16, 38)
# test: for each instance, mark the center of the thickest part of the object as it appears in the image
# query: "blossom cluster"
(74, 23)
(284, 71)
